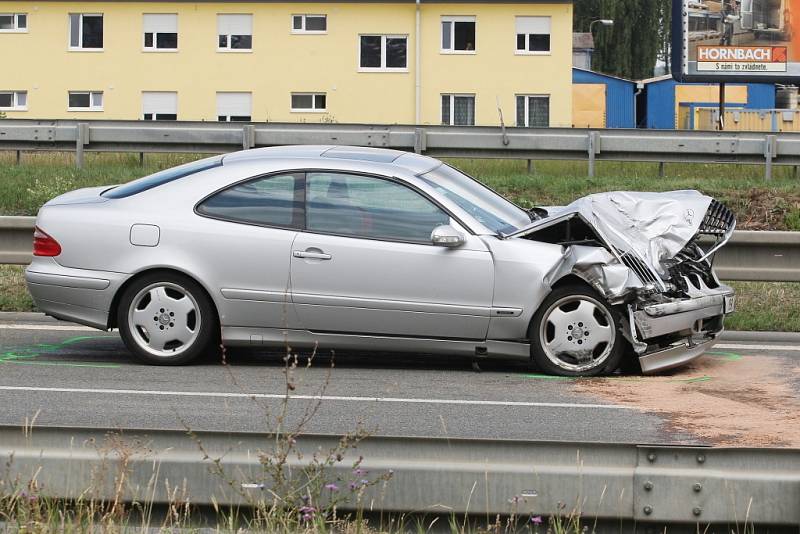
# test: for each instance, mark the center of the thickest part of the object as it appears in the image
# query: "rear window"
(162, 177)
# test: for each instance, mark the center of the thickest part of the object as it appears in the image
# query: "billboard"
(736, 40)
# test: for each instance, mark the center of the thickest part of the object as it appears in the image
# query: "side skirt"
(278, 337)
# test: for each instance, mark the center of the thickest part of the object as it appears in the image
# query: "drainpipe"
(417, 68)
(639, 89)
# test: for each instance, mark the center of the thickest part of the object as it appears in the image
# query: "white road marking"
(55, 327)
(756, 347)
(228, 395)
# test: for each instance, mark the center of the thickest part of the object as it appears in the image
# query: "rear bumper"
(76, 295)
(674, 333)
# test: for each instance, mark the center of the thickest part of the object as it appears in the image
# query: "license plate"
(730, 303)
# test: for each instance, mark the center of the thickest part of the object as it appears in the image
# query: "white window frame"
(228, 117)
(528, 97)
(303, 30)
(452, 101)
(383, 67)
(16, 28)
(313, 108)
(80, 47)
(15, 101)
(527, 52)
(92, 107)
(452, 19)
(155, 47)
(228, 49)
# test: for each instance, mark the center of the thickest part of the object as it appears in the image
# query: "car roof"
(415, 163)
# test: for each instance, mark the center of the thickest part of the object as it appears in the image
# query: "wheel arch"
(113, 309)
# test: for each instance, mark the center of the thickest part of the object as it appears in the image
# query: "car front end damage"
(651, 256)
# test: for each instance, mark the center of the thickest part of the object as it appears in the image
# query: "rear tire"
(575, 332)
(167, 319)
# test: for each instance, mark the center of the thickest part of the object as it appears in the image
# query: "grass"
(758, 205)
(13, 294)
(762, 306)
(40, 177)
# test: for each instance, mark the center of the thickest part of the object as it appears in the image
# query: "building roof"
(601, 75)
(582, 41)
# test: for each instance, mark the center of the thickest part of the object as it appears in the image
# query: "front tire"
(576, 333)
(166, 319)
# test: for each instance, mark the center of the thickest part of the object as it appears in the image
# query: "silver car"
(361, 248)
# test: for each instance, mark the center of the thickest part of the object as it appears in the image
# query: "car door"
(247, 233)
(365, 263)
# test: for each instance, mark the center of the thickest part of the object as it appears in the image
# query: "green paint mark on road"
(26, 355)
(550, 377)
(728, 356)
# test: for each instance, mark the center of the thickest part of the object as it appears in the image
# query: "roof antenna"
(502, 122)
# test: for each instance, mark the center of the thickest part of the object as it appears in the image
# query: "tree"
(640, 34)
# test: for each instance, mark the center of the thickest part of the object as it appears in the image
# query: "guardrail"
(749, 256)
(650, 484)
(763, 148)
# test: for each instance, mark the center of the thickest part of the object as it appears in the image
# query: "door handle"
(311, 255)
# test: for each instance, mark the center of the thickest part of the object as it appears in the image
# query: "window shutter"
(160, 23)
(537, 25)
(234, 104)
(235, 24)
(165, 103)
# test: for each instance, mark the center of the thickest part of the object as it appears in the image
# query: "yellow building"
(404, 62)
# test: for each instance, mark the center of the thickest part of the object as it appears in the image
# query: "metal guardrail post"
(248, 136)
(81, 140)
(770, 146)
(420, 140)
(593, 147)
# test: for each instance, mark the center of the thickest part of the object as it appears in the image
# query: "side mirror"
(447, 236)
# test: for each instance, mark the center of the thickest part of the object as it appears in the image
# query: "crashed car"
(333, 247)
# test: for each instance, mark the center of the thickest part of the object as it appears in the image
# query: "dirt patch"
(721, 399)
(762, 209)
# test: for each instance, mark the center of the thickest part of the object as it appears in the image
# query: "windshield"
(487, 207)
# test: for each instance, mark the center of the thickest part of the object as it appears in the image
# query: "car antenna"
(502, 122)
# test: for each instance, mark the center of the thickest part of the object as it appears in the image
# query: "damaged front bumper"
(673, 333)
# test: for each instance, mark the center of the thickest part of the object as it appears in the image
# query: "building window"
(160, 106)
(13, 22)
(533, 111)
(13, 100)
(85, 31)
(160, 31)
(458, 110)
(309, 102)
(309, 23)
(234, 107)
(533, 35)
(458, 34)
(85, 101)
(235, 33)
(383, 52)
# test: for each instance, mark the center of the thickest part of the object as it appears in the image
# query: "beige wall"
(39, 61)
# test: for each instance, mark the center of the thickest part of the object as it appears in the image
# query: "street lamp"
(604, 22)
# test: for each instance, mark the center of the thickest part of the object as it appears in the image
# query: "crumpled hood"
(654, 226)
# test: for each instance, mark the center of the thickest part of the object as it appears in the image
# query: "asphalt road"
(59, 374)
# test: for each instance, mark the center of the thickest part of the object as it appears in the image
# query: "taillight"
(44, 245)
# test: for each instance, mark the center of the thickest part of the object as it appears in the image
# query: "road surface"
(60, 374)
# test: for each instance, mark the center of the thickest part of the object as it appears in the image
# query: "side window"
(270, 200)
(364, 206)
